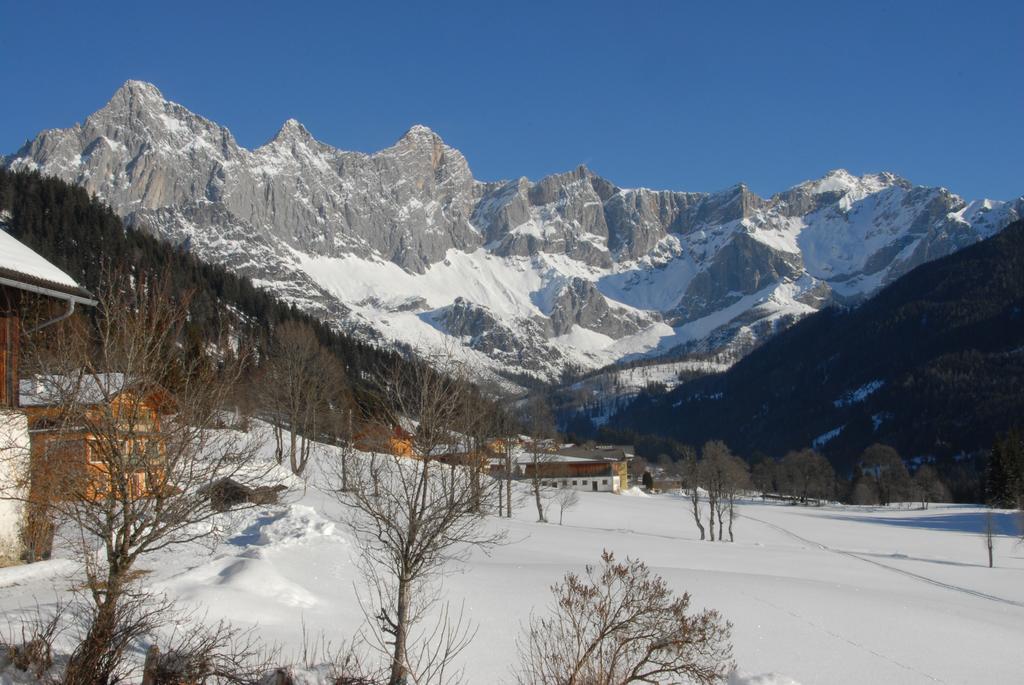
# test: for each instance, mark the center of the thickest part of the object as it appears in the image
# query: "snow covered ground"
(816, 595)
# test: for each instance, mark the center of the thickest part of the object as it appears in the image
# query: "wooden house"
(384, 439)
(105, 409)
(461, 452)
(26, 279)
(78, 428)
(25, 275)
(600, 468)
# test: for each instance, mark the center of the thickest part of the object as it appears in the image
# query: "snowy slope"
(19, 258)
(527, 277)
(597, 397)
(821, 595)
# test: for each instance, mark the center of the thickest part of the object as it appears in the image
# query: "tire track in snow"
(841, 638)
(894, 569)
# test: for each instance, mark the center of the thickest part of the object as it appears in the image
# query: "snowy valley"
(831, 594)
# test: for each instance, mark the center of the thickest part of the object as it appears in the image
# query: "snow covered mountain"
(527, 277)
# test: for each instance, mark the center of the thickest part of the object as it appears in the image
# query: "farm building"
(29, 285)
(597, 468)
(79, 425)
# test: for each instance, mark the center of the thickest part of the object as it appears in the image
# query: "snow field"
(816, 595)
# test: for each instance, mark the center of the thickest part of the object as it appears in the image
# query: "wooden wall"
(10, 330)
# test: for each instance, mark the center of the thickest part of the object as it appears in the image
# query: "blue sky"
(680, 95)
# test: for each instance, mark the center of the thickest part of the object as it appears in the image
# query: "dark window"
(94, 454)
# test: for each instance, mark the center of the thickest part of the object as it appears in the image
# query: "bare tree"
(763, 475)
(218, 654)
(713, 472)
(669, 470)
(865, 491)
(483, 419)
(928, 486)
(889, 473)
(507, 434)
(303, 389)
(691, 479)
(724, 476)
(989, 533)
(143, 423)
(29, 647)
(567, 497)
(619, 623)
(542, 430)
(806, 475)
(422, 516)
(737, 481)
(348, 449)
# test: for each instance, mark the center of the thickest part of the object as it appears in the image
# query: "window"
(93, 453)
(134, 451)
(138, 484)
(152, 451)
(574, 482)
(604, 482)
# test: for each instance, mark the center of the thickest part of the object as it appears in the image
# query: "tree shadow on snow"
(252, 535)
(1003, 522)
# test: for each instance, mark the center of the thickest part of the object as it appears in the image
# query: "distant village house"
(595, 468)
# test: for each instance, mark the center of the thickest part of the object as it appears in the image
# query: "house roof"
(597, 453)
(572, 454)
(88, 389)
(24, 269)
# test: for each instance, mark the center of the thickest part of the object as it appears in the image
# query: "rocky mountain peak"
(138, 89)
(422, 144)
(841, 181)
(292, 130)
(133, 101)
(138, 113)
(418, 134)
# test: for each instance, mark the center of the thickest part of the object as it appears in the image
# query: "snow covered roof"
(570, 455)
(20, 266)
(44, 391)
(597, 452)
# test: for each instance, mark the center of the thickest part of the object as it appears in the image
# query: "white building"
(602, 468)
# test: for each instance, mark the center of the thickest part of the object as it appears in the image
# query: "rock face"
(529, 277)
(479, 329)
(580, 303)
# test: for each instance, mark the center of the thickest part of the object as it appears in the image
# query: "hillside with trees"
(84, 237)
(933, 366)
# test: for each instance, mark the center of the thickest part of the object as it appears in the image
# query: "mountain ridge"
(569, 271)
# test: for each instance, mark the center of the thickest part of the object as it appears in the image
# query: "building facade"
(30, 287)
(597, 468)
